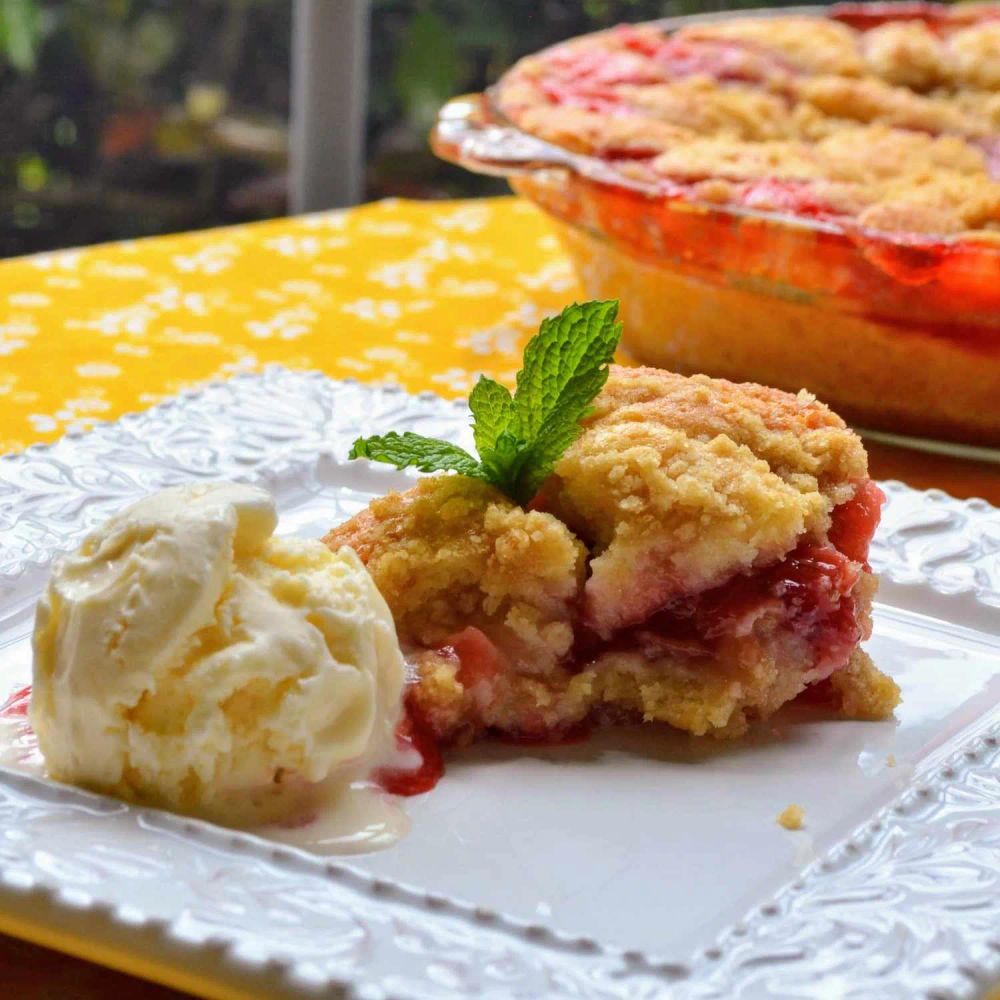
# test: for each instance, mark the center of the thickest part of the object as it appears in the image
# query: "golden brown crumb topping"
(907, 54)
(805, 44)
(792, 818)
(696, 105)
(872, 101)
(976, 54)
(453, 552)
(862, 691)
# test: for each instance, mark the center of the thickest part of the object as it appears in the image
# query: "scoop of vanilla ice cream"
(185, 657)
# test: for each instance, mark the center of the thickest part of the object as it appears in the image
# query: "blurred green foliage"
(124, 118)
(428, 65)
(124, 53)
(21, 27)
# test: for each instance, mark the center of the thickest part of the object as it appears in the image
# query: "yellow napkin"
(426, 294)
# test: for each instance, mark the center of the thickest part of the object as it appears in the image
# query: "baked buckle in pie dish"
(796, 199)
(698, 557)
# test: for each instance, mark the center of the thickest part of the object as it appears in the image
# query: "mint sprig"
(521, 437)
(409, 449)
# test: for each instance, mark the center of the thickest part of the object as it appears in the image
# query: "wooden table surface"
(33, 973)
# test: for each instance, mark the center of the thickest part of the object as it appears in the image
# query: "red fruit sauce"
(855, 522)
(865, 16)
(16, 706)
(413, 734)
(480, 664)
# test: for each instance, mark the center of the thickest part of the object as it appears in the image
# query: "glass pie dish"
(898, 331)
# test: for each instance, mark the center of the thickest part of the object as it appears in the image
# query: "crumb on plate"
(792, 817)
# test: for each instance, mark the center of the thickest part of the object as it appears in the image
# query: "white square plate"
(637, 865)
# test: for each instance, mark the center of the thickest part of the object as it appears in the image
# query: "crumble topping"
(455, 551)
(890, 123)
(792, 818)
(805, 44)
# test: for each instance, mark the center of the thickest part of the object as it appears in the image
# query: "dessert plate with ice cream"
(621, 684)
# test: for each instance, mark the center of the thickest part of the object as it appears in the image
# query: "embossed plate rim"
(534, 954)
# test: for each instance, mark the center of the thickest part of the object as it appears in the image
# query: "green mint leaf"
(521, 437)
(554, 437)
(501, 462)
(492, 407)
(565, 360)
(410, 450)
(565, 367)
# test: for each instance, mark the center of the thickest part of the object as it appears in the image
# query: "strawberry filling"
(648, 58)
(854, 522)
(590, 79)
(645, 43)
(478, 657)
(865, 16)
(810, 592)
(811, 589)
(589, 99)
(16, 706)
(598, 68)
